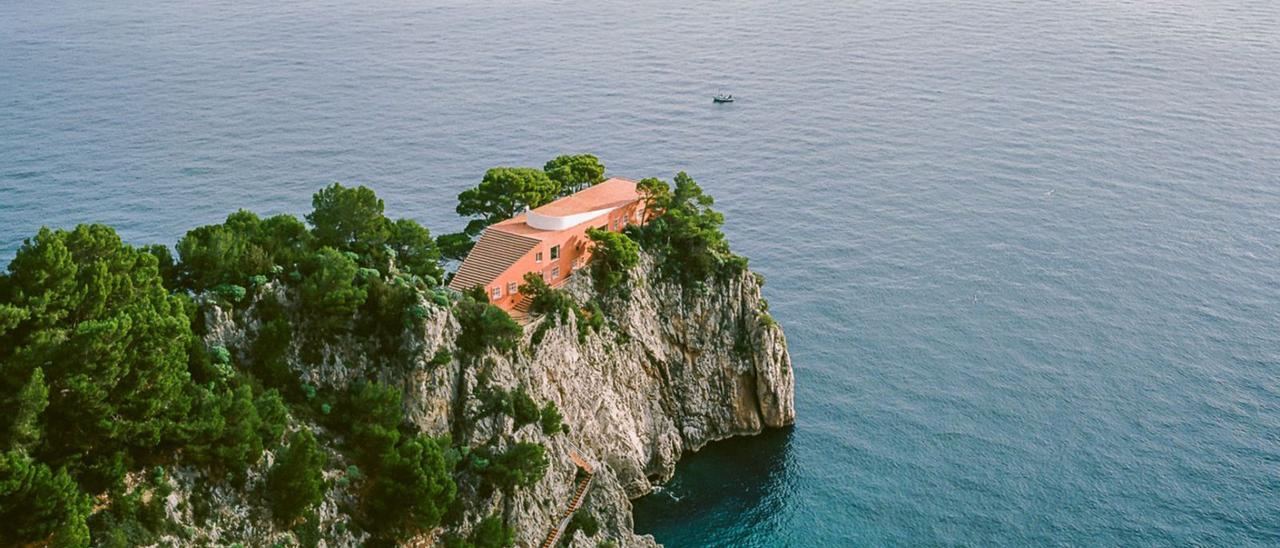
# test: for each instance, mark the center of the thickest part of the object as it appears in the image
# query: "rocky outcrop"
(671, 370)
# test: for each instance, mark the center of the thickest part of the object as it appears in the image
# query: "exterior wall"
(573, 244)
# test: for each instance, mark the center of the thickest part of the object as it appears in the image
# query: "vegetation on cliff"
(107, 380)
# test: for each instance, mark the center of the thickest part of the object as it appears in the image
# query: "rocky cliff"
(670, 370)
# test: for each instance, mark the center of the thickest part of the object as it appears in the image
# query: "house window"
(555, 272)
(537, 258)
(496, 293)
(555, 252)
(512, 288)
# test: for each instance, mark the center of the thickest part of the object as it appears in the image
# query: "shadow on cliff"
(745, 480)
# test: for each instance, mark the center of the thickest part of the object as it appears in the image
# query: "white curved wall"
(548, 222)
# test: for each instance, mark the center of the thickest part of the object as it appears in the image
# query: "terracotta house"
(550, 240)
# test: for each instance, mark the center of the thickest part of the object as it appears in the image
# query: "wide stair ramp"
(520, 312)
(575, 503)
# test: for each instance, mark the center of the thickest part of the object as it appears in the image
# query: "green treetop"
(574, 172)
(612, 255)
(110, 342)
(296, 482)
(504, 192)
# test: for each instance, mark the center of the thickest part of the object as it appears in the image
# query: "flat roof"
(611, 193)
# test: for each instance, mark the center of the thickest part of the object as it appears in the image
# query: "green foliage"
(524, 409)
(296, 482)
(38, 505)
(133, 518)
(387, 316)
(348, 218)
(329, 293)
(229, 293)
(413, 489)
(484, 326)
(455, 246)
(493, 400)
(587, 523)
(219, 355)
(491, 532)
(371, 413)
(612, 255)
(23, 431)
(93, 315)
(441, 357)
(242, 247)
(415, 251)
(165, 263)
(556, 305)
(766, 320)
(581, 521)
(272, 416)
(656, 194)
(504, 192)
(687, 234)
(522, 465)
(225, 433)
(268, 354)
(551, 420)
(575, 172)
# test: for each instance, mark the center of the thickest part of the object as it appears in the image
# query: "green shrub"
(371, 413)
(613, 254)
(582, 521)
(220, 355)
(272, 416)
(225, 431)
(491, 532)
(268, 354)
(329, 293)
(685, 232)
(484, 326)
(441, 357)
(412, 490)
(522, 465)
(296, 482)
(551, 421)
(524, 409)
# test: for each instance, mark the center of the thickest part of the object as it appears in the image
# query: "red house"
(550, 239)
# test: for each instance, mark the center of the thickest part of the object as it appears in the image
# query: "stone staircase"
(581, 493)
(520, 312)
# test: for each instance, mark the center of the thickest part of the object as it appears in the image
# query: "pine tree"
(24, 428)
(296, 482)
(38, 506)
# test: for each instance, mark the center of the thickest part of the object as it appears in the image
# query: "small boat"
(722, 98)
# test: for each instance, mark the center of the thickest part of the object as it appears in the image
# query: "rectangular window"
(537, 258)
(512, 288)
(497, 292)
(555, 272)
(555, 252)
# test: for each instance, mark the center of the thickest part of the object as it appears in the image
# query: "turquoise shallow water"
(1027, 253)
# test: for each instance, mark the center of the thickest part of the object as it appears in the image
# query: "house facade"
(551, 240)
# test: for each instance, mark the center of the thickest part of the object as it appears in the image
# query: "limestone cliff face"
(672, 370)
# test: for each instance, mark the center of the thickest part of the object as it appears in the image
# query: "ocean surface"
(1027, 253)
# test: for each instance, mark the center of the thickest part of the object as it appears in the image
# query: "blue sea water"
(1027, 253)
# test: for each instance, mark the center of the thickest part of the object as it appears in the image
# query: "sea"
(1026, 252)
